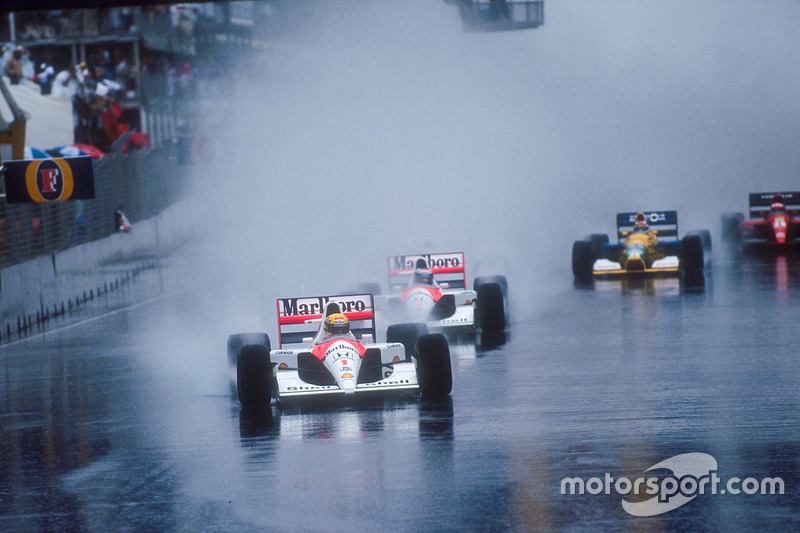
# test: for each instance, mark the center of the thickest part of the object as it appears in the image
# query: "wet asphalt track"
(110, 424)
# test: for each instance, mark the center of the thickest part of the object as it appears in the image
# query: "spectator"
(13, 67)
(65, 83)
(45, 75)
(121, 222)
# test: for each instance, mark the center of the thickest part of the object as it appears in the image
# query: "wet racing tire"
(407, 335)
(235, 343)
(582, 261)
(705, 237)
(480, 280)
(597, 240)
(731, 229)
(254, 377)
(434, 372)
(370, 288)
(691, 255)
(490, 311)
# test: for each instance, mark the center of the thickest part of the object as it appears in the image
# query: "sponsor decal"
(690, 475)
(347, 375)
(666, 262)
(605, 264)
(434, 261)
(316, 305)
(49, 180)
(342, 351)
(651, 217)
(283, 366)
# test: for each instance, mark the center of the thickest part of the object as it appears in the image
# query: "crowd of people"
(96, 88)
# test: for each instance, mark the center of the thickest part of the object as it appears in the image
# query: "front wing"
(666, 265)
(404, 378)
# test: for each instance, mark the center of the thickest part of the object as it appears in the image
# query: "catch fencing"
(141, 184)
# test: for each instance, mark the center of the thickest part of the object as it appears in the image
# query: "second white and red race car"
(431, 289)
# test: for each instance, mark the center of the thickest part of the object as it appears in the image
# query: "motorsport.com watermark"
(692, 474)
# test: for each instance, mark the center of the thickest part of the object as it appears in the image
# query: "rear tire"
(582, 261)
(597, 240)
(370, 288)
(705, 237)
(490, 310)
(434, 372)
(254, 376)
(731, 229)
(235, 343)
(407, 335)
(480, 280)
(691, 255)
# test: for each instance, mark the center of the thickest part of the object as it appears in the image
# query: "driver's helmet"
(424, 276)
(640, 223)
(336, 324)
(777, 203)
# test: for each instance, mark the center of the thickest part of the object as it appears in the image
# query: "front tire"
(254, 376)
(582, 261)
(434, 371)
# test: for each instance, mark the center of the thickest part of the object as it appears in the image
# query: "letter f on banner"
(49, 179)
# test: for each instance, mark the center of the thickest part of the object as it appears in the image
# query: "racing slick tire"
(490, 311)
(434, 372)
(597, 240)
(582, 261)
(407, 335)
(731, 229)
(235, 343)
(254, 376)
(691, 255)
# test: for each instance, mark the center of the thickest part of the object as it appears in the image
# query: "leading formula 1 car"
(648, 244)
(431, 289)
(326, 348)
(774, 221)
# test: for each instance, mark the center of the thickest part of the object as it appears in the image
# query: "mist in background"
(383, 129)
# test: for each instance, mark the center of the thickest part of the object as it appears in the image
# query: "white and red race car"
(431, 289)
(326, 348)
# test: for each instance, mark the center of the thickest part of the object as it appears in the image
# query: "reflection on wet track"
(123, 422)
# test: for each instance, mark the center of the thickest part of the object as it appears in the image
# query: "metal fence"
(140, 184)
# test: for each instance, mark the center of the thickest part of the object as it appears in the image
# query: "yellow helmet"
(336, 323)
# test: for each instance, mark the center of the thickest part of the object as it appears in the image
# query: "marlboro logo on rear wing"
(761, 201)
(447, 268)
(665, 222)
(49, 180)
(301, 317)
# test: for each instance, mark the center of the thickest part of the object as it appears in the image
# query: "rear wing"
(664, 222)
(447, 268)
(299, 318)
(760, 202)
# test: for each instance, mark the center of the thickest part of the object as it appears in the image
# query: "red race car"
(774, 220)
